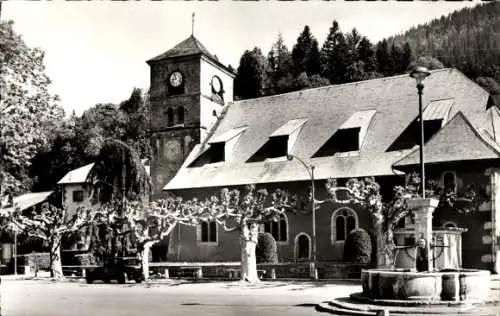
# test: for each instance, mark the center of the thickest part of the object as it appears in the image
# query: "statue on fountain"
(421, 256)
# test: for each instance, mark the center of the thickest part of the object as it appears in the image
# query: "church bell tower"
(188, 85)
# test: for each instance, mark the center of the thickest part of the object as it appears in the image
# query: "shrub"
(266, 250)
(358, 247)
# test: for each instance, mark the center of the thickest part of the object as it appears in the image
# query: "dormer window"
(435, 116)
(349, 137)
(280, 142)
(220, 148)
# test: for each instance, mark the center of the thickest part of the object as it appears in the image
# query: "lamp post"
(419, 74)
(310, 171)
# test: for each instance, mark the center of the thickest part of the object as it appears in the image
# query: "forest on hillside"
(467, 40)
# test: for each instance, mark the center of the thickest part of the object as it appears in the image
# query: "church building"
(204, 141)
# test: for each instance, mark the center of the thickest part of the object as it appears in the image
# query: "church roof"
(457, 141)
(189, 47)
(326, 109)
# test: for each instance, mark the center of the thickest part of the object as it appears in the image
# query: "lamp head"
(419, 74)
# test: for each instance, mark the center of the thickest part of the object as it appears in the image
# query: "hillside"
(468, 39)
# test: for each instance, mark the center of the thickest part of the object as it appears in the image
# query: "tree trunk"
(145, 258)
(55, 259)
(248, 241)
(384, 241)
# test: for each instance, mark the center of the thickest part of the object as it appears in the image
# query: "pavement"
(42, 296)
(168, 297)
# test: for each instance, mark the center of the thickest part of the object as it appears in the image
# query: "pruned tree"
(243, 211)
(51, 225)
(385, 215)
(141, 226)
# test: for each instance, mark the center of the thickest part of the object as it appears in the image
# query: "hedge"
(358, 246)
(266, 250)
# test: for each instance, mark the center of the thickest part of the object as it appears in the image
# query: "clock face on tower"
(216, 84)
(175, 79)
(172, 151)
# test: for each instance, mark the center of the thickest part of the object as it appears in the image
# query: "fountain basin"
(465, 284)
(407, 284)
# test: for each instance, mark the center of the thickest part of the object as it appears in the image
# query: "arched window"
(180, 115)
(343, 221)
(279, 229)
(450, 224)
(302, 247)
(450, 181)
(170, 117)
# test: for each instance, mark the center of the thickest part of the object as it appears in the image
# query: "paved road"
(37, 298)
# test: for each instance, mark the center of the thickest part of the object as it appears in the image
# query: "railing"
(232, 270)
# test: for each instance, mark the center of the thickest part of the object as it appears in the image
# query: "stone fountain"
(423, 284)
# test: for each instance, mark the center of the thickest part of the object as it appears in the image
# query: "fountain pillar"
(423, 209)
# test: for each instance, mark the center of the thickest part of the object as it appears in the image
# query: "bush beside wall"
(266, 250)
(358, 247)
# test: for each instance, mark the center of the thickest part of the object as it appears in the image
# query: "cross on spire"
(192, 25)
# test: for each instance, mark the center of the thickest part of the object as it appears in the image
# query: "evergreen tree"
(367, 55)
(328, 52)
(383, 58)
(466, 39)
(249, 82)
(279, 68)
(305, 54)
(407, 56)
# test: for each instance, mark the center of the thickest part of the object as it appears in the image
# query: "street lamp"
(310, 171)
(419, 74)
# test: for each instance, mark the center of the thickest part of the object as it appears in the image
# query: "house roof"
(457, 141)
(394, 99)
(189, 47)
(78, 175)
(28, 200)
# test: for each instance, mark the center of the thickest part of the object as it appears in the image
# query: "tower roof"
(188, 47)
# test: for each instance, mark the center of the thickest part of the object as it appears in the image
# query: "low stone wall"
(35, 261)
(283, 270)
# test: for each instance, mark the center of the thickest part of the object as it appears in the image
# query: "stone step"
(345, 307)
(326, 307)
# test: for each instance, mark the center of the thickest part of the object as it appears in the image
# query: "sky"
(96, 51)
